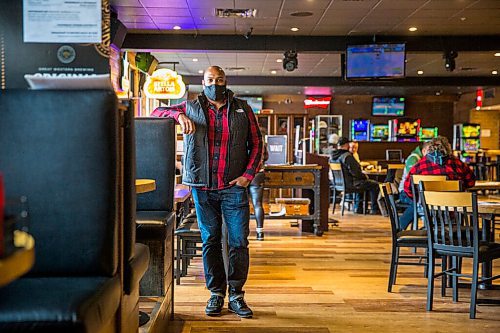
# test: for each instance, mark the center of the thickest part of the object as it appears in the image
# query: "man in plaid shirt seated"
(438, 161)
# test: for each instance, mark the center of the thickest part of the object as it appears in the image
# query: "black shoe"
(240, 307)
(260, 236)
(214, 305)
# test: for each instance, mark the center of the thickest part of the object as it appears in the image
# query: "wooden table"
(19, 262)
(485, 185)
(145, 185)
(382, 172)
(488, 208)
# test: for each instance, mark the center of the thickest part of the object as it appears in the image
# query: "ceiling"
(341, 18)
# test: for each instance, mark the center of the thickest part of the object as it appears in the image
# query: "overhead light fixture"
(497, 54)
(235, 13)
(494, 72)
(294, 29)
(200, 71)
(290, 62)
(279, 60)
(177, 27)
(420, 72)
(412, 29)
(195, 59)
(248, 34)
(449, 60)
(463, 19)
(273, 72)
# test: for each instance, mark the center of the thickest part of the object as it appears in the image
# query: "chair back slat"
(451, 220)
(441, 186)
(338, 176)
(395, 166)
(390, 202)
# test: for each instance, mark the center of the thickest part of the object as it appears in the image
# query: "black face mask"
(215, 92)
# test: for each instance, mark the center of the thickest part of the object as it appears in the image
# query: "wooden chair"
(452, 225)
(415, 180)
(339, 186)
(401, 238)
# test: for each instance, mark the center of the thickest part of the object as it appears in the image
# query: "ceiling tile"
(132, 3)
(401, 4)
(158, 11)
(137, 19)
(263, 5)
(163, 3)
(134, 25)
(130, 11)
(211, 4)
(448, 4)
(305, 5)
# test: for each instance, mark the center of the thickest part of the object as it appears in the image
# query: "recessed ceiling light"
(195, 59)
(176, 27)
(497, 54)
(247, 91)
(273, 72)
(412, 29)
(294, 29)
(200, 71)
(438, 93)
(463, 18)
(420, 72)
(279, 60)
(494, 72)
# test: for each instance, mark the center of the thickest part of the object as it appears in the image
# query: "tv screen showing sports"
(372, 61)
(255, 103)
(388, 106)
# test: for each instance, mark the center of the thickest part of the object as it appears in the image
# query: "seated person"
(354, 177)
(353, 149)
(439, 160)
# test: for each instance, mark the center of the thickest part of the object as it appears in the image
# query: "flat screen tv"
(375, 61)
(388, 106)
(379, 132)
(255, 102)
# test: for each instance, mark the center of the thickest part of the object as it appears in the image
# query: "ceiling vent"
(235, 69)
(301, 14)
(235, 13)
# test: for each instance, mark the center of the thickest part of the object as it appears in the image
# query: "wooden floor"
(335, 283)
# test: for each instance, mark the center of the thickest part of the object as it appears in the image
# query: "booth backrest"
(155, 153)
(60, 149)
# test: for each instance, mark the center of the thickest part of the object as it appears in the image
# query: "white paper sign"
(62, 21)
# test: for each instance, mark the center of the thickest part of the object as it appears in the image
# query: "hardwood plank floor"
(335, 283)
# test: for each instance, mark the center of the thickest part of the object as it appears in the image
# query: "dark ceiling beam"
(337, 81)
(152, 42)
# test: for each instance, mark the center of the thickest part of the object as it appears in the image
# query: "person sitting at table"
(439, 160)
(353, 149)
(354, 177)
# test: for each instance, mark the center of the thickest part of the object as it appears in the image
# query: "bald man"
(222, 153)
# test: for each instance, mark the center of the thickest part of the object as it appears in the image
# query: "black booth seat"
(64, 151)
(65, 304)
(155, 216)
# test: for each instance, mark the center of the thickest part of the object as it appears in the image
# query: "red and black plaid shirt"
(218, 141)
(453, 168)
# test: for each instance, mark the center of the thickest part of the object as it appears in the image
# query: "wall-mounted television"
(375, 61)
(379, 132)
(255, 102)
(388, 106)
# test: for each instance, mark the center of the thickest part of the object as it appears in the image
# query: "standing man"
(222, 152)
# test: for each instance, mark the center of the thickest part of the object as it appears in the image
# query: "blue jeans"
(231, 206)
(407, 218)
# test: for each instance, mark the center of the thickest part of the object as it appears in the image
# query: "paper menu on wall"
(62, 21)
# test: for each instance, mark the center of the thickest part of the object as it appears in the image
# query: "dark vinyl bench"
(64, 151)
